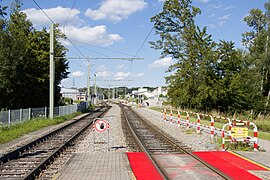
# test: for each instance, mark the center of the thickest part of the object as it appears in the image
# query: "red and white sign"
(101, 125)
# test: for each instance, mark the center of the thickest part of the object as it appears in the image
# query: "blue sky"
(117, 28)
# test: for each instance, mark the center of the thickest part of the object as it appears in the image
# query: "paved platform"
(97, 165)
(234, 165)
(183, 166)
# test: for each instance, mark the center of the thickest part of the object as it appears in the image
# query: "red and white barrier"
(171, 117)
(212, 127)
(227, 133)
(187, 122)
(198, 123)
(245, 123)
(178, 118)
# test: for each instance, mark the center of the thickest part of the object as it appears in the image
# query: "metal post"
(51, 72)
(95, 89)
(9, 118)
(29, 114)
(21, 114)
(88, 83)
(45, 112)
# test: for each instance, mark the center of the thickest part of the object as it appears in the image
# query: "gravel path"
(195, 141)
(116, 136)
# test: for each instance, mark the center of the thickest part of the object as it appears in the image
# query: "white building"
(70, 92)
(152, 97)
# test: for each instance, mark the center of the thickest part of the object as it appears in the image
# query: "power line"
(69, 13)
(95, 51)
(58, 28)
(112, 50)
(144, 41)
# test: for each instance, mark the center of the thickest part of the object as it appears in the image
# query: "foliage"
(68, 100)
(24, 61)
(212, 75)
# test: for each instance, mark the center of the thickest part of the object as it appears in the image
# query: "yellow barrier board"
(239, 132)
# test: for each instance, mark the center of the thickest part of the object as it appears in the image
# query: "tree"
(191, 83)
(257, 42)
(24, 61)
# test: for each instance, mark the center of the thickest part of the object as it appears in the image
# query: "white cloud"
(121, 66)
(138, 75)
(104, 74)
(163, 63)
(221, 23)
(97, 35)
(225, 17)
(115, 10)
(215, 6)
(77, 74)
(228, 8)
(212, 15)
(212, 26)
(102, 67)
(161, 0)
(57, 14)
(121, 75)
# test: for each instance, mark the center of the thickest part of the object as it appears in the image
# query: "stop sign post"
(100, 125)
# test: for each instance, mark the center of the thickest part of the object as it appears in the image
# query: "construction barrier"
(233, 133)
(198, 123)
(178, 118)
(187, 121)
(240, 134)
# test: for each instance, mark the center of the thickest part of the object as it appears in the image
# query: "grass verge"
(18, 130)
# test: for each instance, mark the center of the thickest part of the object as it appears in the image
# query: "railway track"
(28, 161)
(153, 141)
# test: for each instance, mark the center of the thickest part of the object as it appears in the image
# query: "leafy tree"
(191, 84)
(24, 61)
(257, 42)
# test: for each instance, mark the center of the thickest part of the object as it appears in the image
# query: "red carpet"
(233, 166)
(142, 167)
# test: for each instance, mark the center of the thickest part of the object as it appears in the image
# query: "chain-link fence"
(10, 117)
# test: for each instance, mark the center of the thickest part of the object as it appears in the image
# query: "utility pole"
(88, 84)
(51, 72)
(95, 89)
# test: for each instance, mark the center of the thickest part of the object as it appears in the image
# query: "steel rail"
(43, 165)
(179, 147)
(141, 145)
(14, 154)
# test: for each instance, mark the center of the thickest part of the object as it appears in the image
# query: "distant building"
(153, 97)
(70, 92)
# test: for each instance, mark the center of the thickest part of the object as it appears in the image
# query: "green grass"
(263, 125)
(18, 130)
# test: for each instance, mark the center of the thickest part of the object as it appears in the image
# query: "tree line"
(211, 75)
(24, 61)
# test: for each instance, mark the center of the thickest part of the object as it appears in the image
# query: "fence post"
(171, 117)
(29, 113)
(20, 114)
(45, 112)
(178, 118)
(230, 128)
(9, 118)
(212, 127)
(187, 124)
(198, 123)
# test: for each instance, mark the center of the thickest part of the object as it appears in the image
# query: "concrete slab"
(97, 165)
(259, 157)
(182, 166)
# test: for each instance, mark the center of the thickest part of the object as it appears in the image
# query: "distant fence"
(10, 117)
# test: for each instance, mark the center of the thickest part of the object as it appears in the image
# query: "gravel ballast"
(190, 138)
